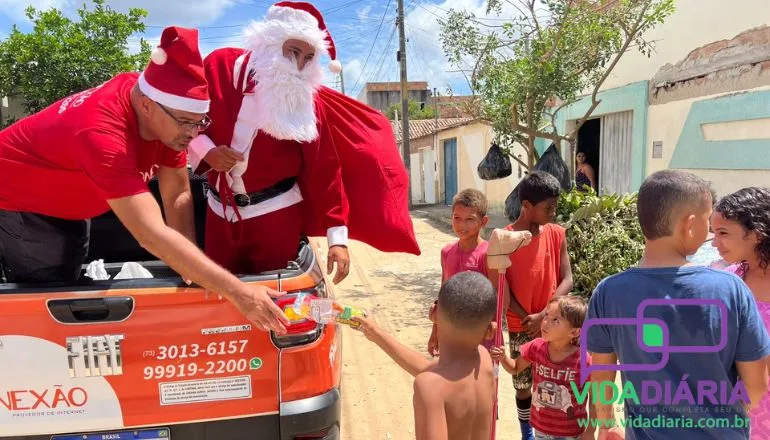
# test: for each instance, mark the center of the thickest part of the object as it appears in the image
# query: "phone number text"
(192, 351)
(191, 370)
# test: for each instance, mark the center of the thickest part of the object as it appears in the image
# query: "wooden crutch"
(502, 244)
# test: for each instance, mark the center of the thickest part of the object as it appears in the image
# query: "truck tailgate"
(100, 360)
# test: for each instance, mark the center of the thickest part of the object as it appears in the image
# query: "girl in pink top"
(741, 225)
(469, 252)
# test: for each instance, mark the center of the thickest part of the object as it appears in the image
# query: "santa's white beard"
(284, 95)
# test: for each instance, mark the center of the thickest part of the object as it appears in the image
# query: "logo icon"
(255, 363)
(652, 336)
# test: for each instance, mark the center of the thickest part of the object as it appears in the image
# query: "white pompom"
(335, 66)
(159, 56)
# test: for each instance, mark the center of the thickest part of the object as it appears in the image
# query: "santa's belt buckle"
(242, 200)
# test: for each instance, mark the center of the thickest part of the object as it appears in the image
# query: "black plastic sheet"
(550, 162)
(496, 164)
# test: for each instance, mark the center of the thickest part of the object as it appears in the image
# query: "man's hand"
(588, 434)
(258, 307)
(339, 255)
(222, 158)
(532, 324)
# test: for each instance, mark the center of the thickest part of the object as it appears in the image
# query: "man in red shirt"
(96, 150)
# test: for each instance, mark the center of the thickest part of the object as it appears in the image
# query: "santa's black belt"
(253, 198)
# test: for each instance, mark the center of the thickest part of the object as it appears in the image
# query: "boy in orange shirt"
(539, 271)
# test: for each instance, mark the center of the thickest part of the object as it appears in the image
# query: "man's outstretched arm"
(141, 215)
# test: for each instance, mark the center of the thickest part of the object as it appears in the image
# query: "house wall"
(473, 142)
(724, 138)
(694, 24)
(382, 100)
(11, 108)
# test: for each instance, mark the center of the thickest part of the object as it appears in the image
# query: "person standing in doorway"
(584, 174)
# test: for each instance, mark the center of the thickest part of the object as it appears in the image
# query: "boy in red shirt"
(469, 215)
(539, 271)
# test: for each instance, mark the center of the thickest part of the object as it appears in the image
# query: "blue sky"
(363, 30)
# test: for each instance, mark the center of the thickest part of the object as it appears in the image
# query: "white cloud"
(363, 13)
(15, 9)
(176, 12)
(159, 12)
(351, 70)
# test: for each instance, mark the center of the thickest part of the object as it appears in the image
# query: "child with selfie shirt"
(555, 362)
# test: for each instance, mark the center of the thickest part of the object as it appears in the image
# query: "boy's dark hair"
(750, 207)
(468, 300)
(572, 308)
(665, 193)
(471, 198)
(538, 186)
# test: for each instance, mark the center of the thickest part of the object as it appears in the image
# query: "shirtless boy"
(455, 392)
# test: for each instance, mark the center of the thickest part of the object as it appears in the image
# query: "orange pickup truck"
(155, 359)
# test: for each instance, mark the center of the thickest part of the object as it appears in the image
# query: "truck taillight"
(299, 332)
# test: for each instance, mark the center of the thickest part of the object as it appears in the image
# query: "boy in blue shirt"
(715, 358)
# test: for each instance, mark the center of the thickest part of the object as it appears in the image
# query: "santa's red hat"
(175, 76)
(301, 21)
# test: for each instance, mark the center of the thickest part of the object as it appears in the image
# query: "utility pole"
(404, 100)
(342, 80)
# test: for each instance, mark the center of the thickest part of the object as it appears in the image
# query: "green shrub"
(603, 236)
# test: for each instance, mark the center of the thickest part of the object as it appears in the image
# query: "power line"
(340, 7)
(379, 28)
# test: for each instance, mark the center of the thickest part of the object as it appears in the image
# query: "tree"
(60, 57)
(415, 111)
(524, 71)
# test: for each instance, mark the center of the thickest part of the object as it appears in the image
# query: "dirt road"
(398, 289)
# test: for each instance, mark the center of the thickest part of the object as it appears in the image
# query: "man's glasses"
(199, 126)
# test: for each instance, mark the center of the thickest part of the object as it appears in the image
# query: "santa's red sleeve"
(322, 187)
(220, 68)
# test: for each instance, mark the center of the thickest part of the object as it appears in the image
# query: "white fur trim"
(289, 198)
(335, 66)
(337, 236)
(198, 149)
(159, 56)
(296, 17)
(176, 102)
(237, 70)
(276, 32)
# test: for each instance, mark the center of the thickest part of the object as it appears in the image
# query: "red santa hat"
(301, 21)
(175, 76)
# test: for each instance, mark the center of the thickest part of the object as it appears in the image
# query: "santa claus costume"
(315, 161)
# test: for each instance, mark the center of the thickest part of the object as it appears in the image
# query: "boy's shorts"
(523, 380)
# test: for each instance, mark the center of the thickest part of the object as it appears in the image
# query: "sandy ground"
(398, 289)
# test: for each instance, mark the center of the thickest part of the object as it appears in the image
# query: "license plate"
(139, 434)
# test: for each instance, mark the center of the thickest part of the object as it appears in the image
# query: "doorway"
(450, 170)
(588, 142)
(608, 144)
